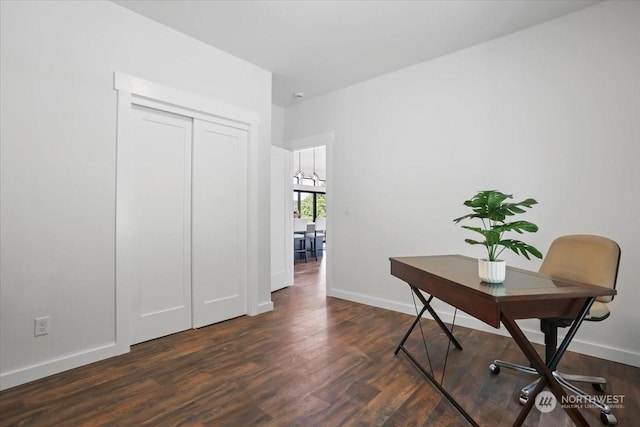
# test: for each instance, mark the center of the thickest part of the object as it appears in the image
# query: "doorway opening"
(310, 204)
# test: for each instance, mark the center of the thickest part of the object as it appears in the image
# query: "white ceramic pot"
(492, 271)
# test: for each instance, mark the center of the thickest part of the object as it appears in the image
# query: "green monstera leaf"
(492, 209)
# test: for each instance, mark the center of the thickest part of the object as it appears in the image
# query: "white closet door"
(156, 196)
(219, 215)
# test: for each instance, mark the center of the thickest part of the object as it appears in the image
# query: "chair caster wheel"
(495, 369)
(598, 386)
(523, 399)
(608, 419)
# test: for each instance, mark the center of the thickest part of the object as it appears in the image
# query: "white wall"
(58, 112)
(552, 112)
(277, 127)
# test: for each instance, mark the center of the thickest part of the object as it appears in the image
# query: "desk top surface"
(524, 294)
(464, 271)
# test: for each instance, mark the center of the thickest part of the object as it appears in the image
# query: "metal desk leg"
(401, 347)
(442, 390)
(413, 325)
(435, 316)
(544, 370)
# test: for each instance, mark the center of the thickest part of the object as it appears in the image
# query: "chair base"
(598, 384)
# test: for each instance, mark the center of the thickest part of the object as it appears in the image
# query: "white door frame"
(137, 91)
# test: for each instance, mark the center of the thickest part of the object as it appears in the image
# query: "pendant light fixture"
(299, 175)
(314, 176)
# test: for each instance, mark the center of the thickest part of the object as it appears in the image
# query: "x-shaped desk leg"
(536, 361)
(426, 306)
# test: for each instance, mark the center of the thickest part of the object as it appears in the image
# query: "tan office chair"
(587, 259)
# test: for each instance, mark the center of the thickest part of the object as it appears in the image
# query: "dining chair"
(300, 236)
(311, 235)
(321, 227)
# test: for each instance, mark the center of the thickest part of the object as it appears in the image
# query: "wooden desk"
(523, 295)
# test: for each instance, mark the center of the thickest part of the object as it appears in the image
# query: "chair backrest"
(321, 223)
(584, 258)
(299, 225)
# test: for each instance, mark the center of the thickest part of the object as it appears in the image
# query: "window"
(310, 205)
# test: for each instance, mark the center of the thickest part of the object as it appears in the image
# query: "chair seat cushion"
(599, 311)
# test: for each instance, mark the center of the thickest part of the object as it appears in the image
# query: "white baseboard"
(65, 363)
(61, 364)
(262, 308)
(462, 319)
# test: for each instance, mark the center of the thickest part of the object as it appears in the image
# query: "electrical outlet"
(41, 326)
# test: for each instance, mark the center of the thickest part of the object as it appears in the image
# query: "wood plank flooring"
(313, 361)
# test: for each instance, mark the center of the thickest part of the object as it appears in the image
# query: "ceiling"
(316, 47)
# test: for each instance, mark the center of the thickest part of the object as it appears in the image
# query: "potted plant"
(492, 209)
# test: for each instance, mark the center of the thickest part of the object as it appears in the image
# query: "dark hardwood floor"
(313, 361)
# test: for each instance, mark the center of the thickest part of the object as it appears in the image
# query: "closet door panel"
(158, 206)
(219, 268)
